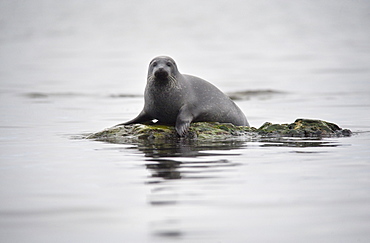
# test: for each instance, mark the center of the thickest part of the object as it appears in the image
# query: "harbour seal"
(177, 99)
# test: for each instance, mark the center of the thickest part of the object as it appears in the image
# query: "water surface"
(75, 67)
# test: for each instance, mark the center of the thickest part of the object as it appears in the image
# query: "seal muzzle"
(161, 73)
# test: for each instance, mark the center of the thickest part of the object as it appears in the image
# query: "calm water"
(74, 67)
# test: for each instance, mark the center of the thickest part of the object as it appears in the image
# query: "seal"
(178, 99)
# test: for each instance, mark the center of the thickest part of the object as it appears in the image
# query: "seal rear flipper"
(142, 118)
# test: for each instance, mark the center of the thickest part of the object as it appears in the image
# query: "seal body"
(177, 99)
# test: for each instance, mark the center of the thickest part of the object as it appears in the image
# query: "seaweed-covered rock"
(215, 130)
(304, 128)
(127, 133)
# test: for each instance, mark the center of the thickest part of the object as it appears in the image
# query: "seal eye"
(154, 64)
(169, 64)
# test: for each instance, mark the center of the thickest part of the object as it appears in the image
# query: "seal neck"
(168, 82)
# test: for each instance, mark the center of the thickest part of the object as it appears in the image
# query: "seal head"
(162, 67)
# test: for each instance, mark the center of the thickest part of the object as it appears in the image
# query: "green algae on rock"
(215, 130)
(134, 132)
(304, 128)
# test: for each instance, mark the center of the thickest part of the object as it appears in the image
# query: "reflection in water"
(297, 142)
(196, 169)
(166, 169)
(187, 159)
(187, 148)
(169, 234)
(183, 173)
(173, 166)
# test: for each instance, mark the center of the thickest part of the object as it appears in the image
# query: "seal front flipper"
(183, 120)
(142, 118)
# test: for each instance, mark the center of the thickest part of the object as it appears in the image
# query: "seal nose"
(161, 73)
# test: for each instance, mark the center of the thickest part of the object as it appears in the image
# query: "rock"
(304, 128)
(215, 130)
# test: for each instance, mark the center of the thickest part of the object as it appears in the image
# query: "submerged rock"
(247, 94)
(215, 130)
